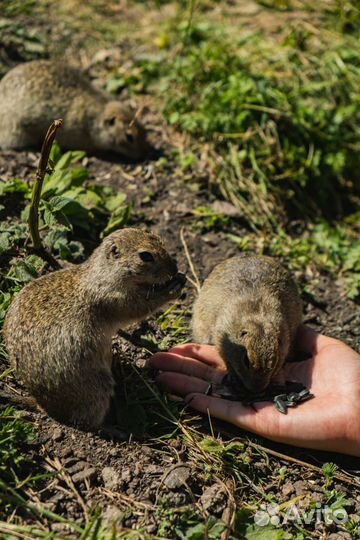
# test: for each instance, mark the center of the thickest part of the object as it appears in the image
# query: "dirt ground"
(127, 475)
(134, 470)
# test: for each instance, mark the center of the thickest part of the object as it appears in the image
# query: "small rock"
(60, 527)
(177, 477)
(65, 451)
(148, 451)
(226, 209)
(80, 453)
(112, 56)
(340, 536)
(58, 434)
(112, 514)
(301, 487)
(83, 475)
(78, 466)
(288, 489)
(177, 498)
(126, 475)
(213, 498)
(70, 460)
(110, 478)
(153, 469)
(317, 497)
(182, 208)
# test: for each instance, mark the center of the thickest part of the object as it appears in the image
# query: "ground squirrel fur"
(250, 309)
(34, 93)
(58, 330)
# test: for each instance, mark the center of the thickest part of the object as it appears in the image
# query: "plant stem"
(39, 180)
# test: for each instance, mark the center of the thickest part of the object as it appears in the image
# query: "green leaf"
(117, 220)
(49, 217)
(58, 203)
(197, 532)
(254, 532)
(234, 447)
(27, 269)
(56, 183)
(4, 243)
(113, 202)
(78, 176)
(86, 197)
(70, 208)
(14, 186)
(212, 446)
(55, 152)
(69, 158)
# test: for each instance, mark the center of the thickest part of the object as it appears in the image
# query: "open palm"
(329, 421)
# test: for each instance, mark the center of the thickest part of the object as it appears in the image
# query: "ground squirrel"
(249, 308)
(33, 94)
(58, 330)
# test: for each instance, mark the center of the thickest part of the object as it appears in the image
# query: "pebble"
(288, 489)
(78, 466)
(301, 487)
(58, 434)
(126, 475)
(177, 477)
(112, 514)
(212, 498)
(110, 478)
(343, 535)
(83, 475)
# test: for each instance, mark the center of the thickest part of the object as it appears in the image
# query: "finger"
(205, 353)
(262, 418)
(181, 384)
(169, 361)
(310, 342)
(250, 418)
(297, 427)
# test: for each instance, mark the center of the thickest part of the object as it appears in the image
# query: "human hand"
(330, 421)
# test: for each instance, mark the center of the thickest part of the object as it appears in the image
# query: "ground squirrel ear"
(113, 252)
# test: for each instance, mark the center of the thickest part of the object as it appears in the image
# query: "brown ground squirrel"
(33, 94)
(58, 330)
(250, 309)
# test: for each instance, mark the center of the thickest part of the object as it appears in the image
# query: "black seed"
(280, 405)
(306, 397)
(290, 403)
(283, 397)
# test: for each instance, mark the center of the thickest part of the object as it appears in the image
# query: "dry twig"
(195, 282)
(36, 193)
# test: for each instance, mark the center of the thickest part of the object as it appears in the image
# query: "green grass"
(280, 118)
(283, 116)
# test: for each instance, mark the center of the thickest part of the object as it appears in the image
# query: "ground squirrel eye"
(129, 137)
(146, 256)
(111, 121)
